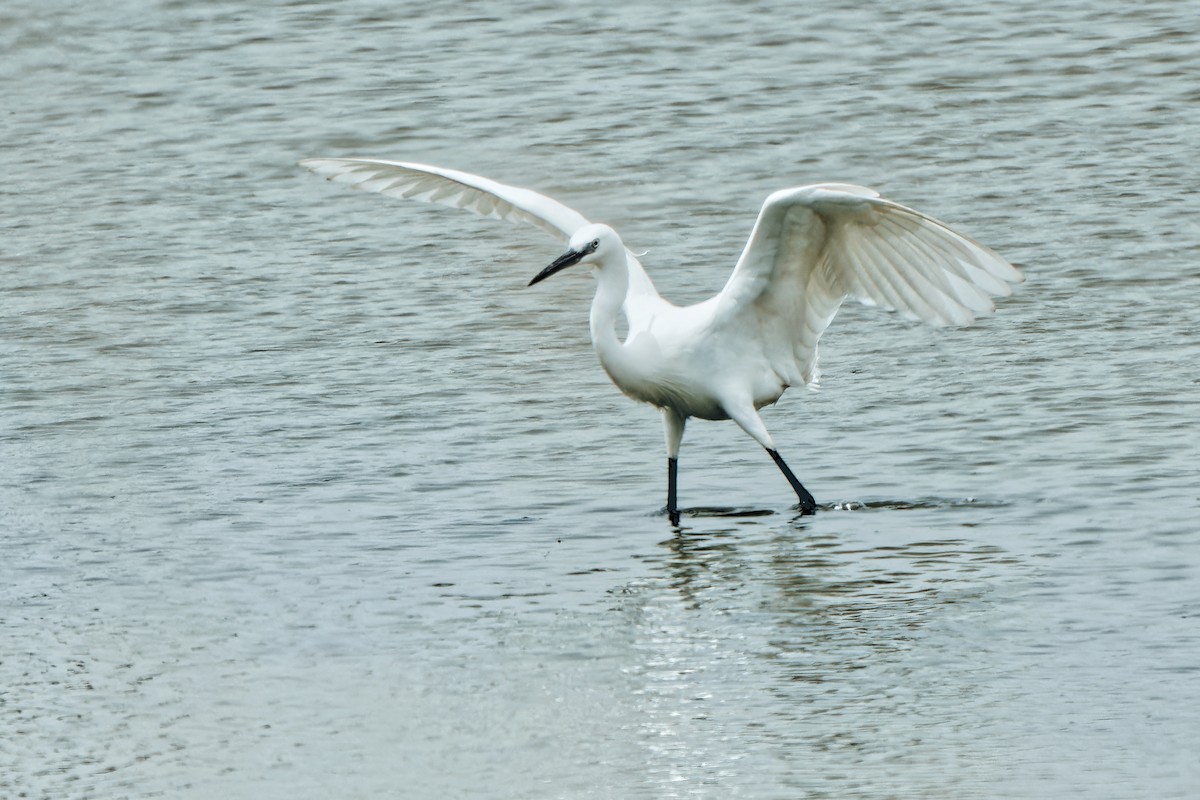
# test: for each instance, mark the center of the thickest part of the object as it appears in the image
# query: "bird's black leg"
(672, 480)
(808, 505)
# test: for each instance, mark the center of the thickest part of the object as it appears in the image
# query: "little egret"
(811, 248)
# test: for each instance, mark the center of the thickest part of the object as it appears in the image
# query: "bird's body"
(728, 356)
(680, 357)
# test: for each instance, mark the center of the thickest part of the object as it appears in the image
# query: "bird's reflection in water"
(823, 640)
(818, 600)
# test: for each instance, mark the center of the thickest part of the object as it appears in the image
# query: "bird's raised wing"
(814, 246)
(451, 188)
(489, 198)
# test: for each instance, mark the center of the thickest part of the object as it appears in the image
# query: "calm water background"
(304, 495)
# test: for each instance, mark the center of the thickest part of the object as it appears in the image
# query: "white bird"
(811, 248)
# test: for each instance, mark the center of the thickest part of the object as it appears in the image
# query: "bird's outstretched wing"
(814, 246)
(451, 188)
(484, 196)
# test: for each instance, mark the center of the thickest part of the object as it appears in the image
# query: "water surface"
(305, 495)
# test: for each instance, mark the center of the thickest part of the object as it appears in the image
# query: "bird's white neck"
(612, 284)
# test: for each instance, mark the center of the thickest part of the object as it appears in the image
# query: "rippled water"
(305, 495)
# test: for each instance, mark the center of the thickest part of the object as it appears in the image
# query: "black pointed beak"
(562, 262)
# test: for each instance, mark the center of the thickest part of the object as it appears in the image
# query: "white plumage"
(812, 247)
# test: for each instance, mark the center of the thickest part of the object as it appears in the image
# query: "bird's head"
(590, 244)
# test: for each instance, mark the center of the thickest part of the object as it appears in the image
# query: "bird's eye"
(595, 243)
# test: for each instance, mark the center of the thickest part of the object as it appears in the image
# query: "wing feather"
(954, 279)
(815, 246)
(450, 187)
(886, 293)
(929, 286)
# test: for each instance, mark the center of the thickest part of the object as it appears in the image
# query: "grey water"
(303, 494)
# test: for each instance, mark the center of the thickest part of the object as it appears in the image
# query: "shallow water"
(305, 495)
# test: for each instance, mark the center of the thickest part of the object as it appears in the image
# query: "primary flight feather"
(811, 248)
